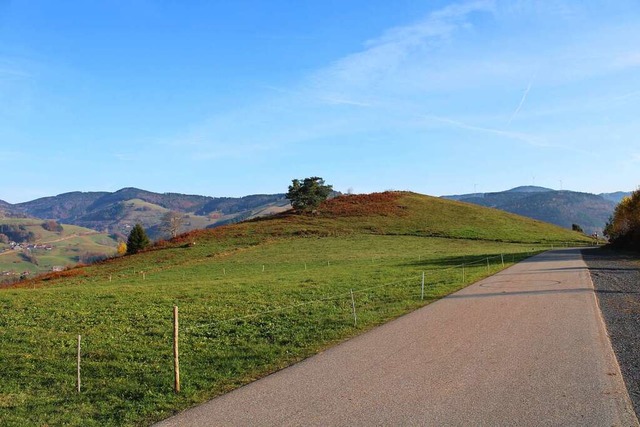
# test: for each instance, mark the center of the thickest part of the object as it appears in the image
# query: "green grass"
(253, 298)
(68, 246)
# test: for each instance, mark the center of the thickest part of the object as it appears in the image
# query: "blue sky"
(229, 98)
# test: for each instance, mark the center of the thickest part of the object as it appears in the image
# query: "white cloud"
(383, 56)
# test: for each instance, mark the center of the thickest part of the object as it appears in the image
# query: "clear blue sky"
(237, 97)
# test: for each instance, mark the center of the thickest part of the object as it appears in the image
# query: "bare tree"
(171, 223)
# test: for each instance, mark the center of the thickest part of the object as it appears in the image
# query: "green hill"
(41, 250)
(253, 297)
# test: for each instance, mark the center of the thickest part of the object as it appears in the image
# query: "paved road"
(525, 347)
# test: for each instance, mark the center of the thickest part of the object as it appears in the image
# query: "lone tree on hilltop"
(137, 241)
(307, 195)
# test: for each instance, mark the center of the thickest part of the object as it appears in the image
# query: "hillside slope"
(399, 213)
(41, 250)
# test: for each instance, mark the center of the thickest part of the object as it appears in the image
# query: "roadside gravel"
(616, 278)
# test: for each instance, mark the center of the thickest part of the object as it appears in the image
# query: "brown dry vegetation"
(384, 204)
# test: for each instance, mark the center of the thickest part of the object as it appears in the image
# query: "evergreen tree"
(307, 195)
(137, 241)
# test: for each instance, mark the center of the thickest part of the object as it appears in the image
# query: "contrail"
(524, 97)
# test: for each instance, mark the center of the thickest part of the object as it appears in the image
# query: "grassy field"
(253, 298)
(67, 247)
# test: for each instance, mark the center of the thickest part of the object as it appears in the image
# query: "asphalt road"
(527, 346)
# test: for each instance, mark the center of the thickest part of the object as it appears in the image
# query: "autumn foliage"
(623, 229)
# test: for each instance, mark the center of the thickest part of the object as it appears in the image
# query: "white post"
(487, 265)
(79, 339)
(109, 278)
(305, 266)
(502, 259)
(463, 278)
(224, 271)
(263, 268)
(353, 305)
(422, 294)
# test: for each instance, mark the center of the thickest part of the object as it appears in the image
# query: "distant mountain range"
(563, 208)
(117, 212)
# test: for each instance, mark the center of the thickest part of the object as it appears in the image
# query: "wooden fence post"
(353, 305)
(176, 359)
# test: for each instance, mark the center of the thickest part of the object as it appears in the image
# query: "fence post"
(502, 259)
(353, 305)
(79, 339)
(176, 359)
(422, 294)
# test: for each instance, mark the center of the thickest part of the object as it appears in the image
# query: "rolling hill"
(41, 250)
(562, 208)
(253, 297)
(117, 212)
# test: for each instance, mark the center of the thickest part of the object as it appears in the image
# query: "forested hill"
(116, 212)
(563, 208)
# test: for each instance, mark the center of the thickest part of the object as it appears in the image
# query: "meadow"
(253, 298)
(69, 246)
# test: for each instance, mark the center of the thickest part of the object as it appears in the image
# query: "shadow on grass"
(458, 261)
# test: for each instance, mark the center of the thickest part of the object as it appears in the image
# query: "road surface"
(524, 347)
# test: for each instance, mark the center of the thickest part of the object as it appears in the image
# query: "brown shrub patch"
(385, 204)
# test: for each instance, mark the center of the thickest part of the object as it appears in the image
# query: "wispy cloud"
(384, 55)
(438, 64)
(518, 136)
(124, 157)
(522, 100)
(628, 95)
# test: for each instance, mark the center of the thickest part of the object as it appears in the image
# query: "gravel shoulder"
(616, 279)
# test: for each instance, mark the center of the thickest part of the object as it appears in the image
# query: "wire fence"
(347, 306)
(215, 342)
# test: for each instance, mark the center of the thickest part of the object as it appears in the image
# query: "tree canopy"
(306, 195)
(137, 241)
(623, 229)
